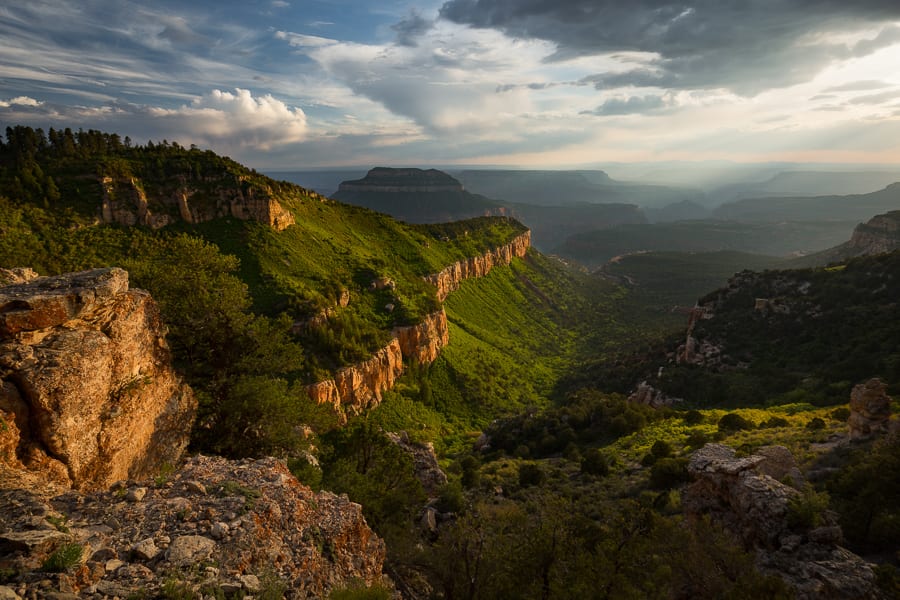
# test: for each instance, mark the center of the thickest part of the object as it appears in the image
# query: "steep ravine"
(359, 387)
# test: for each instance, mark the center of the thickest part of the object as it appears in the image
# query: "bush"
(661, 449)
(693, 417)
(451, 499)
(531, 474)
(668, 473)
(840, 414)
(815, 424)
(734, 422)
(806, 511)
(359, 591)
(697, 439)
(595, 462)
(774, 422)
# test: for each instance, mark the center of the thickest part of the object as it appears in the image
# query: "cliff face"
(125, 202)
(262, 532)
(88, 392)
(358, 387)
(879, 235)
(449, 278)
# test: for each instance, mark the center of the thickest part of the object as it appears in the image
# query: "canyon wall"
(449, 278)
(358, 387)
(88, 395)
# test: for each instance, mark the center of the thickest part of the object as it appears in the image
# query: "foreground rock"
(756, 508)
(88, 395)
(216, 527)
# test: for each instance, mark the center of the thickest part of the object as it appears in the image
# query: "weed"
(59, 522)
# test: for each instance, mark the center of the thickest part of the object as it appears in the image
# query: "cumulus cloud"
(224, 120)
(19, 101)
(746, 47)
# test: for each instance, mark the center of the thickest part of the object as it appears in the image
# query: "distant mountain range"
(855, 207)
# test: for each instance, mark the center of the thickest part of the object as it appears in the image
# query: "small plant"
(807, 510)
(840, 414)
(693, 417)
(595, 463)
(773, 422)
(63, 559)
(59, 522)
(176, 589)
(233, 488)
(359, 591)
(165, 472)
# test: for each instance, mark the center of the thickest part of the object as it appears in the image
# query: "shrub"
(774, 422)
(450, 498)
(359, 591)
(816, 424)
(697, 439)
(734, 422)
(693, 417)
(531, 474)
(806, 510)
(840, 414)
(661, 449)
(668, 473)
(595, 462)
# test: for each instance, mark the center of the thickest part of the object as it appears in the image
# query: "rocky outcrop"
(879, 235)
(870, 409)
(693, 351)
(425, 463)
(449, 278)
(125, 202)
(650, 396)
(223, 528)
(88, 392)
(755, 507)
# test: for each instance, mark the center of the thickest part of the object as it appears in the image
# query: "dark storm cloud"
(744, 46)
(409, 29)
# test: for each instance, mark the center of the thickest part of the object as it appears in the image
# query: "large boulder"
(87, 388)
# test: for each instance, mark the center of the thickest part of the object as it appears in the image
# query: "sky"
(304, 84)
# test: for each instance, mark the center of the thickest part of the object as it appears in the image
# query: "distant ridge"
(384, 179)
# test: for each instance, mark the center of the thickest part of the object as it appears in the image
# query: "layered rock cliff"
(746, 496)
(126, 202)
(215, 528)
(359, 387)
(88, 395)
(449, 278)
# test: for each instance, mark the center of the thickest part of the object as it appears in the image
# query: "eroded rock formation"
(870, 409)
(88, 392)
(125, 202)
(743, 495)
(652, 397)
(449, 278)
(230, 527)
(425, 462)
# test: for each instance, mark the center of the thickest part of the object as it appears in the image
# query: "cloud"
(411, 28)
(879, 98)
(224, 120)
(19, 101)
(634, 105)
(746, 47)
(280, 4)
(299, 40)
(858, 86)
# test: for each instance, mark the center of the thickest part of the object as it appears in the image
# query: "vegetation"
(574, 491)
